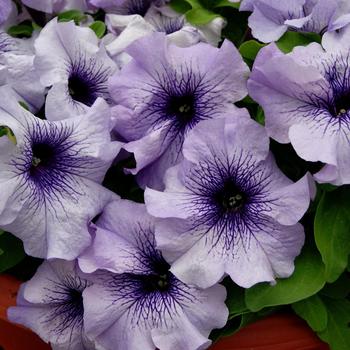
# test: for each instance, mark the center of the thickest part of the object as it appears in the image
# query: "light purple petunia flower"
(227, 208)
(272, 18)
(127, 29)
(69, 60)
(305, 96)
(137, 304)
(50, 177)
(51, 304)
(56, 6)
(17, 70)
(166, 90)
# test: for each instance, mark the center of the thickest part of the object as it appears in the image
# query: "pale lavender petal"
(56, 169)
(228, 203)
(168, 90)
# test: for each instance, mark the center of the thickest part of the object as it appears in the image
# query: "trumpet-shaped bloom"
(70, 62)
(272, 18)
(51, 304)
(165, 91)
(127, 29)
(227, 208)
(311, 99)
(50, 178)
(138, 304)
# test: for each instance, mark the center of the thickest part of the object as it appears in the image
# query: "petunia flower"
(17, 70)
(166, 90)
(56, 6)
(136, 303)
(227, 208)
(50, 178)
(127, 29)
(272, 18)
(51, 304)
(305, 96)
(70, 62)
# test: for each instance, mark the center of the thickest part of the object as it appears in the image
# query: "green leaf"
(71, 15)
(195, 3)
(12, 249)
(36, 26)
(313, 311)
(250, 49)
(307, 279)
(99, 28)
(337, 333)
(235, 299)
(226, 3)
(327, 187)
(181, 6)
(24, 105)
(236, 29)
(292, 39)
(260, 116)
(200, 16)
(340, 289)
(24, 29)
(6, 131)
(235, 324)
(332, 231)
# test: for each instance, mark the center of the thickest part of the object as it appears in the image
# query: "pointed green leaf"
(340, 289)
(23, 105)
(332, 231)
(307, 280)
(200, 16)
(25, 29)
(72, 15)
(181, 6)
(226, 3)
(6, 131)
(99, 28)
(195, 3)
(250, 49)
(260, 116)
(292, 39)
(337, 333)
(313, 311)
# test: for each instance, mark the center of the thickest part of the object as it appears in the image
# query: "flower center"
(159, 280)
(80, 90)
(182, 107)
(42, 155)
(342, 104)
(75, 299)
(152, 283)
(230, 198)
